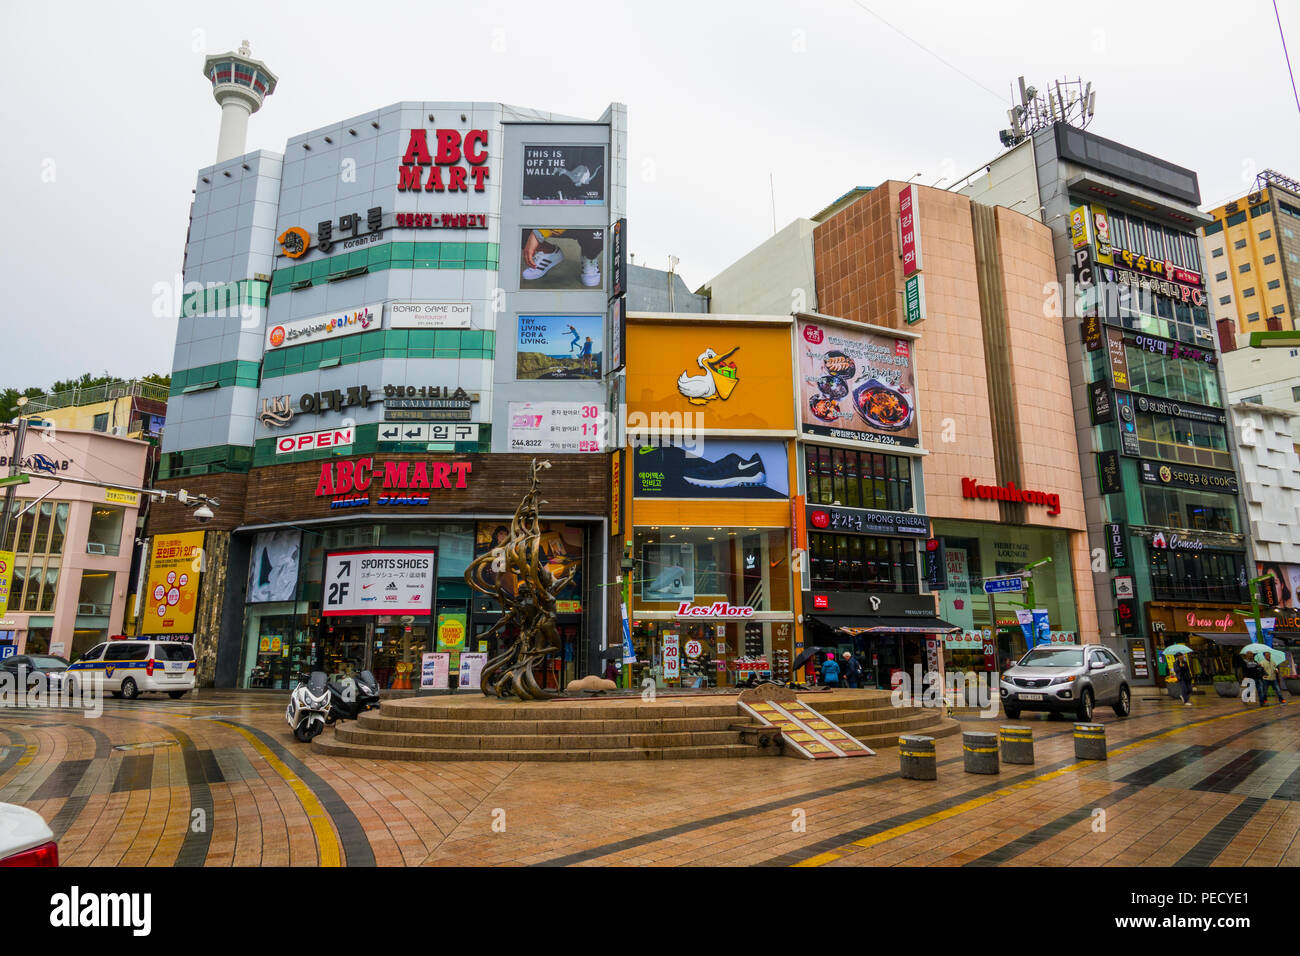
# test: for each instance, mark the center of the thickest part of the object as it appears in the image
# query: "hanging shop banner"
(429, 315)
(172, 588)
(685, 377)
(1100, 403)
(1185, 476)
(1079, 227)
(559, 347)
(381, 581)
(564, 175)
(909, 229)
(452, 628)
(715, 468)
(471, 669)
(1117, 544)
(6, 578)
(435, 671)
(1118, 358)
(1127, 616)
(1129, 445)
(1042, 626)
(914, 299)
(616, 333)
(556, 427)
(667, 572)
(856, 384)
(562, 258)
(1100, 220)
(954, 600)
(616, 493)
(618, 259)
(273, 566)
(331, 325)
(629, 654)
(1026, 620)
(1108, 472)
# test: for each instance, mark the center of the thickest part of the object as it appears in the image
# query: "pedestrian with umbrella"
(1261, 666)
(1181, 671)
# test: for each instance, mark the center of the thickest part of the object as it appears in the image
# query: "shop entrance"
(341, 647)
(395, 650)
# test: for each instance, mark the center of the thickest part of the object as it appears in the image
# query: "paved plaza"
(218, 780)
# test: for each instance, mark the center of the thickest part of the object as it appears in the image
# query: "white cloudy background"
(108, 117)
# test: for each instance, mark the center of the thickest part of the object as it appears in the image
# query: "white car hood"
(21, 829)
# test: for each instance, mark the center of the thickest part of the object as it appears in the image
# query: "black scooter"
(352, 697)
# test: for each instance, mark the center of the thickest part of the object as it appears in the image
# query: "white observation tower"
(239, 84)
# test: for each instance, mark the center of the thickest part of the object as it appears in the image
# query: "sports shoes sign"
(381, 581)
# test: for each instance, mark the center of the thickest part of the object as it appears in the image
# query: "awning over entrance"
(891, 625)
(1231, 639)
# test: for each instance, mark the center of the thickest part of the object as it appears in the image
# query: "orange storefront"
(708, 480)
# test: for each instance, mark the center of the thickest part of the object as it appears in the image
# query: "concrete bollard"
(1017, 744)
(980, 749)
(1089, 742)
(916, 757)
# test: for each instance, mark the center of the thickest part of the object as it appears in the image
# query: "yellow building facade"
(1253, 259)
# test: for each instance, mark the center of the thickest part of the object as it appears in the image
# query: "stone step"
(902, 724)
(542, 710)
(381, 720)
(944, 727)
(328, 744)
(496, 742)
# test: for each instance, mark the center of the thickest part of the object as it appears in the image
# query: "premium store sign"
(349, 483)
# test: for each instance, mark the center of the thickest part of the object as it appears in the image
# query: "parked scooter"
(309, 706)
(352, 697)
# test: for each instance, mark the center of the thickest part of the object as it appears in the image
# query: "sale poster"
(954, 600)
(172, 591)
(672, 657)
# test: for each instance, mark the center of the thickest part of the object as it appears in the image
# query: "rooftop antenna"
(1066, 101)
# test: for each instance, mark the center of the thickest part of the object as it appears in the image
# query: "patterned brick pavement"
(218, 780)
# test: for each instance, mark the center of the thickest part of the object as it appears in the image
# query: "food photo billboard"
(856, 384)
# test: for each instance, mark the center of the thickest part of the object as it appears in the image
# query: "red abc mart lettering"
(716, 609)
(401, 482)
(445, 172)
(1009, 492)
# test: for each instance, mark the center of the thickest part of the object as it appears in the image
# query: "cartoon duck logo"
(718, 380)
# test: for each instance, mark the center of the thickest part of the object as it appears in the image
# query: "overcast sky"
(109, 117)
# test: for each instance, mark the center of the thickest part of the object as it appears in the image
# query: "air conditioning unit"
(1205, 334)
(94, 547)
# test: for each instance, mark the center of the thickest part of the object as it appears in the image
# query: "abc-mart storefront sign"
(331, 325)
(348, 483)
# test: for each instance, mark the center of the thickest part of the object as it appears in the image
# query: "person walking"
(1184, 675)
(852, 671)
(830, 671)
(1270, 676)
(1255, 673)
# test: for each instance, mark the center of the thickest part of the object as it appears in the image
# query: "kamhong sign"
(716, 609)
(455, 162)
(400, 482)
(310, 441)
(1009, 492)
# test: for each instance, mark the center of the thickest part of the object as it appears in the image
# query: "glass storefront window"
(1198, 575)
(711, 654)
(703, 565)
(1195, 510)
(105, 534)
(843, 561)
(857, 479)
(1174, 439)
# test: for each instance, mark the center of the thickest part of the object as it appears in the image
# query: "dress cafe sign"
(1226, 623)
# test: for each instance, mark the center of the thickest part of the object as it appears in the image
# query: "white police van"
(133, 667)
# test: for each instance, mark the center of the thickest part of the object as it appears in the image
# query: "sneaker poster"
(562, 258)
(564, 175)
(715, 468)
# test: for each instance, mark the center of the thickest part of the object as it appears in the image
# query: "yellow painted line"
(330, 852)
(922, 822)
(28, 753)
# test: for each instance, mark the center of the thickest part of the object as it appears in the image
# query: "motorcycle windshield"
(316, 683)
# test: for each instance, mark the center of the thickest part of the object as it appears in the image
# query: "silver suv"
(1067, 678)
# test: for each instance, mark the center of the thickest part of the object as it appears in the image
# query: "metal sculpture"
(529, 604)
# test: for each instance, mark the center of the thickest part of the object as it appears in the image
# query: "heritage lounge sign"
(400, 482)
(1009, 492)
